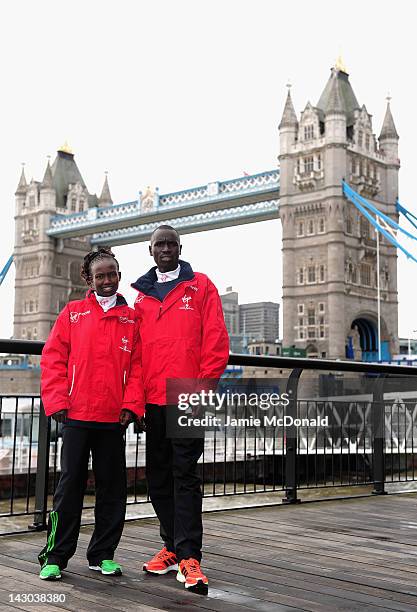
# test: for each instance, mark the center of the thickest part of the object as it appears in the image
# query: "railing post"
(378, 437)
(291, 472)
(42, 472)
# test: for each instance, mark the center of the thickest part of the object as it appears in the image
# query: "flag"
(391, 231)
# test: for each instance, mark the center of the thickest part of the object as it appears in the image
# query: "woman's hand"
(126, 417)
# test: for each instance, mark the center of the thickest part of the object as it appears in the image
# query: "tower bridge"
(328, 250)
(219, 204)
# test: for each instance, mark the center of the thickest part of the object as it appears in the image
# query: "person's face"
(165, 249)
(104, 277)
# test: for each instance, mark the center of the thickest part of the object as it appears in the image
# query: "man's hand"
(60, 416)
(126, 417)
(140, 425)
(198, 411)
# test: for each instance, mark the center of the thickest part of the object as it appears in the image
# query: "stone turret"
(22, 186)
(335, 111)
(288, 126)
(388, 138)
(105, 197)
(47, 182)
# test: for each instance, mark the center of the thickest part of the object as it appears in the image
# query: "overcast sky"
(178, 93)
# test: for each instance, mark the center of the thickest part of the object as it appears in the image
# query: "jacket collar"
(145, 283)
(119, 302)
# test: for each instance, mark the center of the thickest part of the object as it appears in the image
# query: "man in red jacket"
(183, 335)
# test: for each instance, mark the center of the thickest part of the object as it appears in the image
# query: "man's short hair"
(164, 227)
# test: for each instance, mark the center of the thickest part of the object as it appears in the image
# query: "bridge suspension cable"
(6, 269)
(379, 220)
(389, 228)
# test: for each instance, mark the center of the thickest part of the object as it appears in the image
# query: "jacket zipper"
(176, 286)
(161, 303)
(124, 378)
(113, 314)
(73, 379)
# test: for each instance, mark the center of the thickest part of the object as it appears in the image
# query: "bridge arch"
(362, 339)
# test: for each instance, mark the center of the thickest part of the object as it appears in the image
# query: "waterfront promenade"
(351, 554)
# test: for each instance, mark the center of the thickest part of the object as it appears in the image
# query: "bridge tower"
(329, 248)
(48, 269)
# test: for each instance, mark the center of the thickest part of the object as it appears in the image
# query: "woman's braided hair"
(101, 253)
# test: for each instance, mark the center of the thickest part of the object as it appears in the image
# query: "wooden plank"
(304, 544)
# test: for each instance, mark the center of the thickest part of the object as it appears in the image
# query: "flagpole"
(378, 290)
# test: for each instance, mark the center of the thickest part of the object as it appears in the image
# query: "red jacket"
(184, 336)
(90, 364)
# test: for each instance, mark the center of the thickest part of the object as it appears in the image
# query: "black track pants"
(174, 486)
(109, 466)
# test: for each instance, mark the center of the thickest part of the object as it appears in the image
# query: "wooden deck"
(357, 554)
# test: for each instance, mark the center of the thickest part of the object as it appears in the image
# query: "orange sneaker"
(163, 562)
(192, 577)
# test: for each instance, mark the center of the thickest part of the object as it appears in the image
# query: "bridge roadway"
(248, 199)
(354, 554)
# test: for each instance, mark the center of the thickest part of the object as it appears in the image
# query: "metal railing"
(370, 437)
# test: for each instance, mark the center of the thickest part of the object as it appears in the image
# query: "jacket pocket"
(72, 381)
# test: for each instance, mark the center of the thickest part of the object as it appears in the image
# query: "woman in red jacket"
(91, 382)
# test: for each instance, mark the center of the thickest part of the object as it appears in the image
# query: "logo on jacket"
(125, 320)
(75, 316)
(186, 306)
(125, 342)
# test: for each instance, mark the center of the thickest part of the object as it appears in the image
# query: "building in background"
(329, 258)
(259, 321)
(47, 269)
(260, 347)
(253, 328)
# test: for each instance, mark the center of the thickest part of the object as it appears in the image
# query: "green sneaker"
(50, 572)
(108, 568)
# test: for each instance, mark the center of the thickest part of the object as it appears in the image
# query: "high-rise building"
(259, 321)
(231, 311)
(249, 322)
